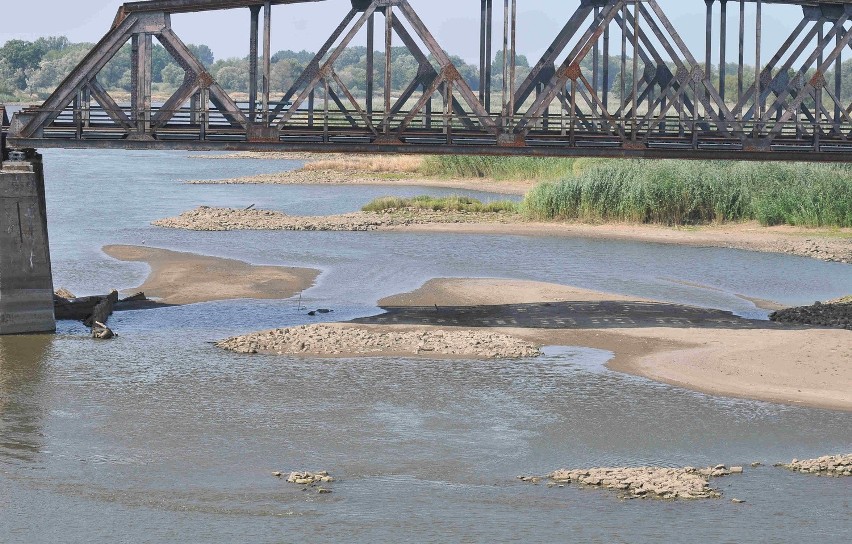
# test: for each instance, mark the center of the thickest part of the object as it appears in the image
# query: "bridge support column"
(26, 282)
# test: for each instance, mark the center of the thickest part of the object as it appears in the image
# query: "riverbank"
(186, 278)
(833, 245)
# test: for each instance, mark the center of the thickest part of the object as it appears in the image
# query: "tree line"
(31, 70)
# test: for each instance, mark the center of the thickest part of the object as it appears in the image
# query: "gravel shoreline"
(346, 340)
(223, 219)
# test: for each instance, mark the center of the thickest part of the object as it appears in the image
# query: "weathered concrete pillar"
(26, 282)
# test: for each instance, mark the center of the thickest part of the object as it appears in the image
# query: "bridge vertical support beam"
(723, 48)
(371, 59)
(489, 54)
(26, 282)
(253, 51)
(758, 102)
(388, 66)
(141, 75)
(838, 79)
(267, 58)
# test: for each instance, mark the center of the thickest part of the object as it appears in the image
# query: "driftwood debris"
(102, 311)
(94, 311)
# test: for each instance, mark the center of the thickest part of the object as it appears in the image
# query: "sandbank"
(793, 366)
(187, 278)
(341, 177)
(823, 244)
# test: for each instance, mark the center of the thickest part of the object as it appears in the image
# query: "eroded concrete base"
(26, 282)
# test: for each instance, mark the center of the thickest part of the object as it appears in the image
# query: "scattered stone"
(277, 474)
(645, 482)
(323, 491)
(737, 501)
(836, 315)
(310, 479)
(827, 465)
(756, 464)
(337, 341)
(736, 470)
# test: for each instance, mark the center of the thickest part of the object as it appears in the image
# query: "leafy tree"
(202, 53)
(172, 75)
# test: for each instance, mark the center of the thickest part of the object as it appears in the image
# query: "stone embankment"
(346, 341)
(836, 315)
(223, 219)
(646, 482)
(827, 465)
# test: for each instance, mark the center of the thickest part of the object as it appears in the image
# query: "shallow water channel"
(160, 437)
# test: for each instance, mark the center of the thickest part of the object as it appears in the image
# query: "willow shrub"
(690, 192)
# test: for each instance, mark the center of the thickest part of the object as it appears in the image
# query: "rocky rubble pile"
(837, 315)
(205, 218)
(648, 482)
(330, 341)
(308, 479)
(827, 465)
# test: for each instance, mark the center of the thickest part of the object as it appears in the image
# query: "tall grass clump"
(688, 192)
(499, 168)
(442, 204)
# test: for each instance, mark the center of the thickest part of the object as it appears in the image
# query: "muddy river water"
(160, 437)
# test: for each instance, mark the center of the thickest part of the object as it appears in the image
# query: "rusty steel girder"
(617, 80)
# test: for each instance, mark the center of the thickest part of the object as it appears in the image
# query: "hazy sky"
(454, 23)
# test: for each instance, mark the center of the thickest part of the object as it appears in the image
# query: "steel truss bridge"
(660, 99)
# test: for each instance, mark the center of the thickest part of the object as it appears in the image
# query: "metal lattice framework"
(618, 80)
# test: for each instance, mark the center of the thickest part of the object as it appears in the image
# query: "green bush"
(447, 204)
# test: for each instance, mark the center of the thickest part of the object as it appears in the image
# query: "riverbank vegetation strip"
(669, 192)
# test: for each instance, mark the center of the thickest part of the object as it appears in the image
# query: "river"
(160, 437)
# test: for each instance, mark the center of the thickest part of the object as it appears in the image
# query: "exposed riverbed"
(161, 434)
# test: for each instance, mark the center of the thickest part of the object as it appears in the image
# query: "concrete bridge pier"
(26, 282)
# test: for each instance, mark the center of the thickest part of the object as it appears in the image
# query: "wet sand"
(824, 244)
(187, 278)
(337, 177)
(802, 366)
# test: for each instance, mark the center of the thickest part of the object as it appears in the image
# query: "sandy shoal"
(802, 367)
(824, 244)
(187, 278)
(342, 177)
